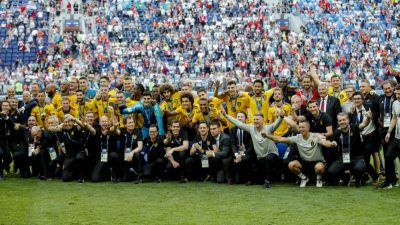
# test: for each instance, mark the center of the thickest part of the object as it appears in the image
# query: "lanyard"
(147, 112)
(82, 110)
(233, 105)
(104, 108)
(240, 136)
(176, 140)
(258, 103)
(126, 140)
(348, 143)
(338, 94)
(384, 105)
(208, 120)
(108, 137)
(309, 97)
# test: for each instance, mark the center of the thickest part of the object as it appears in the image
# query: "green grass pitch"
(54, 202)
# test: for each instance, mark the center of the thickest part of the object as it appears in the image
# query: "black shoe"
(184, 180)
(267, 184)
(208, 177)
(138, 181)
(386, 185)
(42, 178)
(157, 180)
(81, 181)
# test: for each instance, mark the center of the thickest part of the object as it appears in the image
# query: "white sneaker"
(319, 183)
(303, 182)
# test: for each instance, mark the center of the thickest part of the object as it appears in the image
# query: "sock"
(302, 176)
(319, 176)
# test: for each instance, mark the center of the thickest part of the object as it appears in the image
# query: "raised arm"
(238, 123)
(278, 138)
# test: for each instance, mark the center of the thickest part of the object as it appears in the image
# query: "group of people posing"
(321, 132)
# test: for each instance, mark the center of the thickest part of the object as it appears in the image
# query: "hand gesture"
(168, 135)
(217, 84)
(387, 137)
(368, 114)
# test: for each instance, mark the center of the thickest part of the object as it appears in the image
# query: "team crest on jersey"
(321, 122)
(208, 142)
(176, 101)
(155, 145)
(134, 136)
(239, 104)
(180, 139)
(341, 96)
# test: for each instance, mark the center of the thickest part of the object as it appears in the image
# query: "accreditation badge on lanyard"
(386, 117)
(52, 153)
(104, 152)
(204, 161)
(346, 151)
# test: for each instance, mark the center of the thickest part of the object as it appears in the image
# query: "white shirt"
(370, 127)
(325, 101)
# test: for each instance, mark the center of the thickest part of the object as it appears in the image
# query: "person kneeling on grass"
(267, 153)
(310, 153)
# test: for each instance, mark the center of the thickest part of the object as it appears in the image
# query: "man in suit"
(223, 157)
(369, 135)
(243, 151)
(328, 104)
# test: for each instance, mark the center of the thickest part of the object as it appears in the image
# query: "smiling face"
(186, 104)
(203, 129)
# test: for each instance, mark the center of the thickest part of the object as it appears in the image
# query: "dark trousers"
(102, 169)
(21, 163)
(5, 157)
(356, 167)
(73, 166)
(244, 170)
(392, 153)
(180, 158)
(266, 165)
(370, 146)
(136, 164)
(218, 168)
(154, 169)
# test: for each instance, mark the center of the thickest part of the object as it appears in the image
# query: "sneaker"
(267, 184)
(319, 183)
(385, 185)
(157, 180)
(81, 181)
(42, 177)
(303, 182)
(395, 183)
(139, 181)
(184, 180)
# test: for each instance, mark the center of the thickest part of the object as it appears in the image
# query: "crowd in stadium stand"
(97, 102)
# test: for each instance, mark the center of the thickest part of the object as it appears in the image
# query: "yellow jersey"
(83, 108)
(341, 95)
(260, 105)
(57, 100)
(42, 113)
(100, 107)
(235, 105)
(283, 128)
(72, 111)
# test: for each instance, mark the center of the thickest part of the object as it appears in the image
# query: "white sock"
(302, 176)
